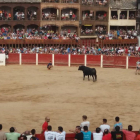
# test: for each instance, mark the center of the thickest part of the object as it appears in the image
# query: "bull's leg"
(83, 76)
(96, 77)
(88, 78)
(93, 77)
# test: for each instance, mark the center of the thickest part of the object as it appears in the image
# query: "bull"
(88, 72)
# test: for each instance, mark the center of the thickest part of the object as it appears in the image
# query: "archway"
(6, 13)
(69, 14)
(50, 14)
(19, 28)
(32, 28)
(19, 13)
(32, 13)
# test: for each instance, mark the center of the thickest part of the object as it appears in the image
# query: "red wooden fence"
(59, 59)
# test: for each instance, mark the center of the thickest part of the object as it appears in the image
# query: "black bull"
(88, 72)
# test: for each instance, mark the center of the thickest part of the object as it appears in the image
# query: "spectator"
(49, 134)
(104, 125)
(117, 134)
(138, 136)
(79, 134)
(85, 122)
(86, 133)
(129, 134)
(45, 124)
(33, 132)
(2, 134)
(13, 135)
(60, 134)
(117, 119)
(23, 138)
(98, 134)
(107, 135)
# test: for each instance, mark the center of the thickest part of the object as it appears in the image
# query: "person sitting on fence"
(49, 66)
(138, 66)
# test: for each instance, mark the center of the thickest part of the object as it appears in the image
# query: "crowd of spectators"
(117, 34)
(42, 33)
(103, 132)
(98, 2)
(63, 49)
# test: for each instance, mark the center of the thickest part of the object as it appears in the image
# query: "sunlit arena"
(69, 69)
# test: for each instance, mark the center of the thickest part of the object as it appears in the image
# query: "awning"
(87, 25)
(88, 36)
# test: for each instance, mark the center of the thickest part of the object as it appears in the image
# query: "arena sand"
(29, 93)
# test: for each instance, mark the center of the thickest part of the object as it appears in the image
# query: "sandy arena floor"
(29, 93)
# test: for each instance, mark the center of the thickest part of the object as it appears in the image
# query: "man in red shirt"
(129, 134)
(45, 124)
(107, 135)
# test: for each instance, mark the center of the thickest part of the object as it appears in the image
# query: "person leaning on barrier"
(129, 135)
(107, 135)
(13, 135)
(2, 134)
(98, 134)
(60, 135)
(138, 136)
(86, 133)
(49, 134)
(117, 134)
(79, 134)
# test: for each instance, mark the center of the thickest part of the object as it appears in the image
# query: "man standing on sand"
(85, 122)
(104, 125)
(45, 124)
(138, 66)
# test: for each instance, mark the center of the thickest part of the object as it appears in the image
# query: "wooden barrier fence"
(72, 42)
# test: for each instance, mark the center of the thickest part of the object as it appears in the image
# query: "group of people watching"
(49, 16)
(32, 15)
(68, 16)
(42, 33)
(103, 132)
(117, 34)
(62, 49)
(87, 31)
(19, 15)
(4, 15)
(101, 16)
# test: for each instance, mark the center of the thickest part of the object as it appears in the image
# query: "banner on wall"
(2, 59)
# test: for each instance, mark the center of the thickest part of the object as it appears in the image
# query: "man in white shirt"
(60, 135)
(104, 125)
(98, 134)
(85, 122)
(49, 134)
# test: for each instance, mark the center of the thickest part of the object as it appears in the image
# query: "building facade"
(122, 14)
(87, 18)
